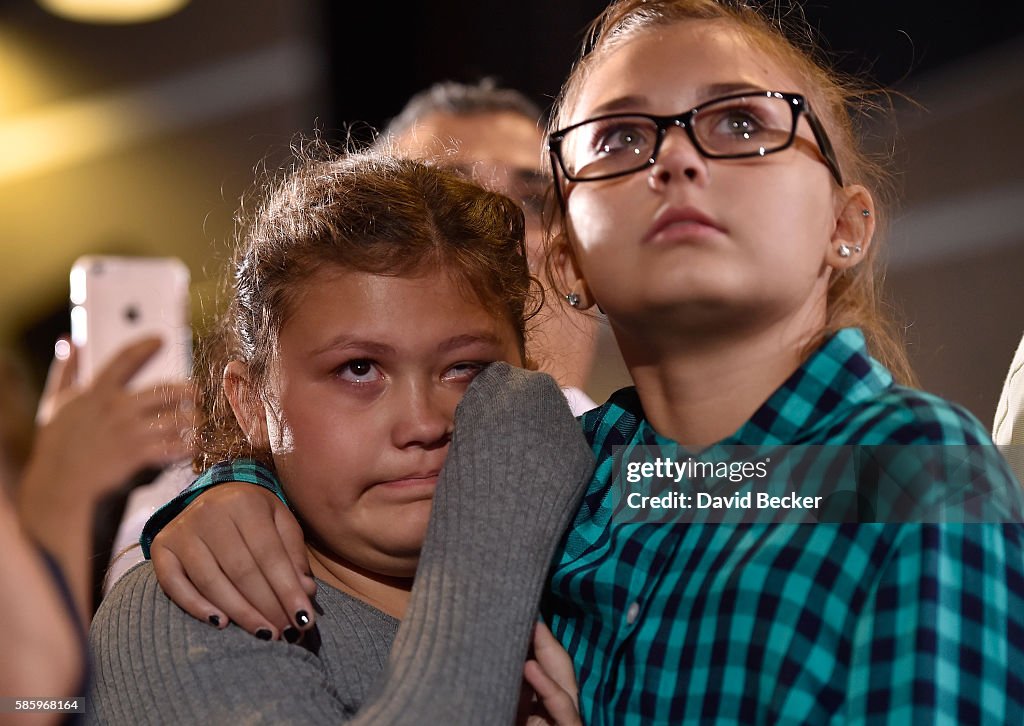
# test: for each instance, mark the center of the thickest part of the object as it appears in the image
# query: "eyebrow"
(705, 93)
(724, 89)
(618, 104)
(467, 339)
(343, 342)
(374, 348)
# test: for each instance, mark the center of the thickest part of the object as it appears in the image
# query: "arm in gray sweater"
(516, 469)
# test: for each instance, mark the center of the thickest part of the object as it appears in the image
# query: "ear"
(246, 405)
(567, 267)
(855, 227)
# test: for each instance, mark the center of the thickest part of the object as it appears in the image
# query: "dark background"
(529, 44)
(174, 191)
(170, 182)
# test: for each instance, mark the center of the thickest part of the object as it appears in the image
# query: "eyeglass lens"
(745, 126)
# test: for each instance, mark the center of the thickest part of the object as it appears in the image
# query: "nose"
(423, 416)
(677, 159)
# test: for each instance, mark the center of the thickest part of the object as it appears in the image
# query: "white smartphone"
(116, 300)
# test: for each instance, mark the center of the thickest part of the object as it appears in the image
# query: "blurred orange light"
(113, 11)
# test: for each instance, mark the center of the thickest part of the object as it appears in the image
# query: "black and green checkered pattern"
(673, 623)
(887, 623)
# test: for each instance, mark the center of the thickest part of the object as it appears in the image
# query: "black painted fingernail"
(264, 634)
(291, 634)
(214, 620)
(302, 618)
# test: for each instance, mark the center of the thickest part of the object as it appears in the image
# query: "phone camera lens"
(131, 314)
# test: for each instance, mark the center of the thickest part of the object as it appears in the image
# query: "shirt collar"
(838, 375)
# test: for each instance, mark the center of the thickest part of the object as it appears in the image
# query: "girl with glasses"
(712, 201)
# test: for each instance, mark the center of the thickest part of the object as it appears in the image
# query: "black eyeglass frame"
(797, 104)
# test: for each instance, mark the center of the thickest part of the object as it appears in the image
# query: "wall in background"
(140, 139)
(957, 252)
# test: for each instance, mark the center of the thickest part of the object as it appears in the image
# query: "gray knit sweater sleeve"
(155, 664)
(515, 472)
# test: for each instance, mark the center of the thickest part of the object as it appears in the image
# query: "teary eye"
(464, 372)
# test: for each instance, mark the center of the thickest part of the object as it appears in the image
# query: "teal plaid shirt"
(243, 470)
(677, 622)
(681, 622)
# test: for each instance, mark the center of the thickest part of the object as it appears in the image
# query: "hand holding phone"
(117, 301)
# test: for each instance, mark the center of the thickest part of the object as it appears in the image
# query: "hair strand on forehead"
(844, 104)
(363, 211)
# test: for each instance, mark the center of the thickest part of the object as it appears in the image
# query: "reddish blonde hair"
(854, 295)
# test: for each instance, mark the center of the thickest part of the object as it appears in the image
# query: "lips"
(428, 478)
(682, 222)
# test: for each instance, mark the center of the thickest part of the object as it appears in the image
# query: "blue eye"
(732, 122)
(740, 125)
(360, 370)
(626, 134)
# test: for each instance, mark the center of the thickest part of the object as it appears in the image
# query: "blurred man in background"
(495, 136)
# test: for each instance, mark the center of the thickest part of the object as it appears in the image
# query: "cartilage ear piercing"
(857, 249)
(844, 251)
(573, 299)
(865, 212)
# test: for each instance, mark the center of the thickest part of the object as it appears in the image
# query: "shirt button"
(632, 613)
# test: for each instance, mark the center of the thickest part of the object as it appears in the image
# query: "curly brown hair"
(365, 211)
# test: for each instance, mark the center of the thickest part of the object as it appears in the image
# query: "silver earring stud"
(857, 249)
(865, 212)
(844, 251)
(573, 299)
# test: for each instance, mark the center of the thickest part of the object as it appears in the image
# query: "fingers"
(192, 576)
(297, 603)
(106, 432)
(554, 659)
(241, 555)
(268, 577)
(168, 396)
(127, 363)
(152, 428)
(559, 706)
(552, 677)
(59, 378)
(169, 408)
(241, 586)
(175, 583)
